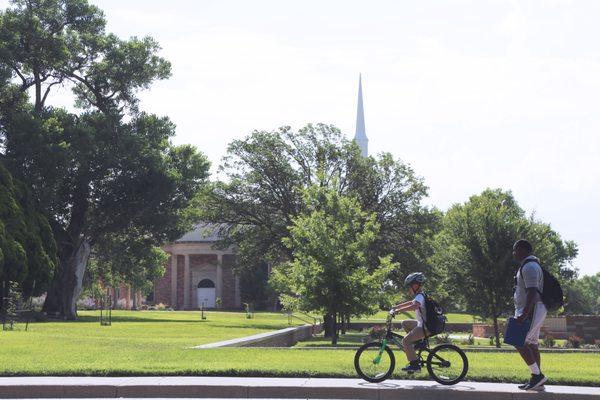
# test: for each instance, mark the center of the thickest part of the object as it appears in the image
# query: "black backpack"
(551, 294)
(435, 320)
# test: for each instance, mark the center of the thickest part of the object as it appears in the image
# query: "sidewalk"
(288, 388)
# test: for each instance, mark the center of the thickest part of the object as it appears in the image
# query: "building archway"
(206, 293)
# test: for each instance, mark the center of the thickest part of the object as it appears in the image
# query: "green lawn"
(452, 317)
(157, 343)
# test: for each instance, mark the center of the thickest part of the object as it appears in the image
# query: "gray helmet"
(415, 277)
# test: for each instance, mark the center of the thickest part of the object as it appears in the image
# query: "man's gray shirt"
(532, 277)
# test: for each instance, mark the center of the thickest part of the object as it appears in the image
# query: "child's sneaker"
(412, 367)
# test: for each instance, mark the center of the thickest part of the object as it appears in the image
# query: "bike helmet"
(415, 277)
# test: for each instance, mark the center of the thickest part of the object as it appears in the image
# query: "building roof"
(203, 232)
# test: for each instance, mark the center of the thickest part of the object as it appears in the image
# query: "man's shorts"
(539, 315)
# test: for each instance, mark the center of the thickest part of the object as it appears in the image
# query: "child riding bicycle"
(415, 328)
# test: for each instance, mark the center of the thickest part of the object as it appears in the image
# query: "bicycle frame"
(396, 338)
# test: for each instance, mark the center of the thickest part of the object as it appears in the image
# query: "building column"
(173, 281)
(220, 277)
(186, 283)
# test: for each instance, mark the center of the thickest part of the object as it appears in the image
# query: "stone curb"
(288, 388)
(289, 336)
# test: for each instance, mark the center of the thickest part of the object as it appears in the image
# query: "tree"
(97, 175)
(266, 173)
(329, 271)
(27, 247)
(583, 295)
(474, 252)
(125, 258)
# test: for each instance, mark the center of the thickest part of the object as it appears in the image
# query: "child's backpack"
(435, 320)
(551, 294)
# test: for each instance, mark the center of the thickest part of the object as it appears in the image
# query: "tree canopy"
(473, 252)
(27, 247)
(109, 173)
(263, 177)
(329, 271)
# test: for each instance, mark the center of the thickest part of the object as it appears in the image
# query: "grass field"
(157, 343)
(452, 317)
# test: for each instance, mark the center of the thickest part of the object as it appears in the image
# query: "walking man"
(528, 305)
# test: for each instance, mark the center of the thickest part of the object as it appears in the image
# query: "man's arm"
(531, 295)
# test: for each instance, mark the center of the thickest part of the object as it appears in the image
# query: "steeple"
(361, 136)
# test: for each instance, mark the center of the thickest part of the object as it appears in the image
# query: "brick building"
(197, 273)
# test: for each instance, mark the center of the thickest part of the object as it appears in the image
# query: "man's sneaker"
(412, 368)
(535, 382)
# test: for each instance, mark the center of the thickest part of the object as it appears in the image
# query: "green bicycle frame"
(377, 359)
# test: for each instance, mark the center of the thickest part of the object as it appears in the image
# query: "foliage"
(548, 341)
(265, 174)
(575, 341)
(27, 247)
(104, 176)
(329, 271)
(442, 338)
(474, 251)
(583, 295)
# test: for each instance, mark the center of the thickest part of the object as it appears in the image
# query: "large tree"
(107, 172)
(329, 271)
(473, 252)
(263, 177)
(27, 247)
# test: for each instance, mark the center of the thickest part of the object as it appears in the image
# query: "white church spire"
(361, 136)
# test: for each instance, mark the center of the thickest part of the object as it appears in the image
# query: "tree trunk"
(327, 326)
(61, 299)
(334, 337)
(496, 331)
(343, 323)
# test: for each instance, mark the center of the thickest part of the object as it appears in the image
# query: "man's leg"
(531, 343)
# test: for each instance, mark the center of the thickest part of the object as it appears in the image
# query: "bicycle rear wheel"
(373, 366)
(447, 364)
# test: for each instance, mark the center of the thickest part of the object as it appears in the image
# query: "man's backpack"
(551, 294)
(435, 320)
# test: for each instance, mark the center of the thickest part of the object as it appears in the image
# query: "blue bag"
(516, 332)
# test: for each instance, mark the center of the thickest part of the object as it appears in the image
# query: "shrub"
(549, 341)
(160, 307)
(575, 341)
(468, 341)
(443, 338)
(86, 303)
(376, 331)
(597, 343)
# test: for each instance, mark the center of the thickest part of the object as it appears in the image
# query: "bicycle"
(374, 362)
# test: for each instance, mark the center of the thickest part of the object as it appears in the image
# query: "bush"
(160, 307)
(376, 331)
(469, 341)
(549, 341)
(443, 338)
(597, 343)
(575, 341)
(86, 303)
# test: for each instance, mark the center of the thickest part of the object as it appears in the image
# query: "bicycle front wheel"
(447, 364)
(374, 364)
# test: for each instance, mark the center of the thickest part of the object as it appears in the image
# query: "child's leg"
(415, 334)
(409, 324)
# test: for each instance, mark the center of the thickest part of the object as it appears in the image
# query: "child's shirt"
(420, 311)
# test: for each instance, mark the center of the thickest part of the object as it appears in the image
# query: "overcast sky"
(472, 94)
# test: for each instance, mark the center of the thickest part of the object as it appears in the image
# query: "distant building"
(361, 135)
(197, 273)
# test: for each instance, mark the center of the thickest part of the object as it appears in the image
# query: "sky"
(472, 94)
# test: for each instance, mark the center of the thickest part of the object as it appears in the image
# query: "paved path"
(283, 388)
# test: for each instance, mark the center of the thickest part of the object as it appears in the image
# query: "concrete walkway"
(281, 388)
